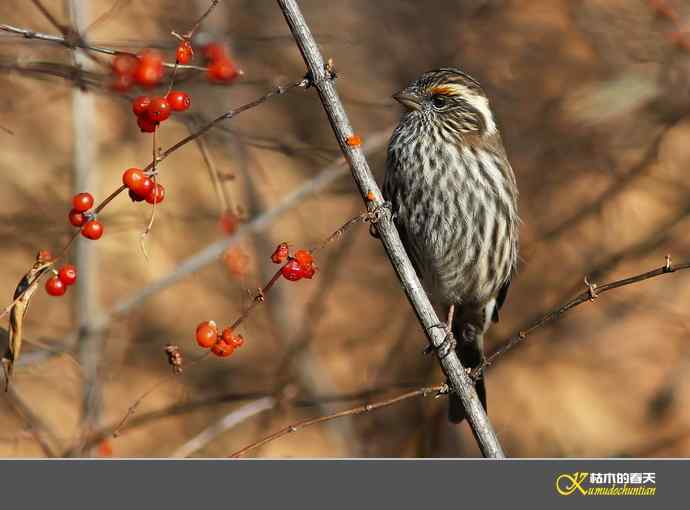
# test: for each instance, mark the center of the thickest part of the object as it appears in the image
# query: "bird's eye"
(438, 102)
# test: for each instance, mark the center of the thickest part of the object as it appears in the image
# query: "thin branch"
(180, 408)
(39, 430)
(321, 77)
(49, 16)
(364, 408)
(198, 23)
(232, 419)
(592, 292)
(80, 43)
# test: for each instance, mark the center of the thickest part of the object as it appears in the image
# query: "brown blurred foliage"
(593, 99)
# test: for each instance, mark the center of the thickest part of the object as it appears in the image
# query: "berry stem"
(198, 22)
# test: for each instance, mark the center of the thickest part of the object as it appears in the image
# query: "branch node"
(447, 346)
(378, 212)
(260, 296)
(668, 267)
(443, 390)
(592, 289)
(329, 68)
(175, 359)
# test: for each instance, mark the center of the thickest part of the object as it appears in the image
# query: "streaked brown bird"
(454, 200)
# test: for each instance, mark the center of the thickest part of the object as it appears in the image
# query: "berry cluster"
(58, 283)
(151, 111)
(222, 344)
(80, 216)
(298, 266)
(145, 70)
(221, 68)
(141, 187)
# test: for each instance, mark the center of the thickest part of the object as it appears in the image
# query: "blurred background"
(593, 100)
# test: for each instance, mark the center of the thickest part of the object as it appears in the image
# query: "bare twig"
(589, 294)
(180, 408)
(49, 16)
(80, 43)
(364, 408)
(39, 430)
(201, 19)
(227, 422)
(322, 79)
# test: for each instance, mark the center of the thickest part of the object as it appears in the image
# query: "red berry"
(44, 256)
(304, 258)
(55, 286)
(237, 341)
(206, 334)
(158, 110)
(140, 104)
(308, 272)
(157, 194)
(132, 178)
(92, 230)
(76, 218)
(222, 70)
(134, 197)
(215, 51)
(280, 254)
(146, 125)
(184, 52)
(145, 187)
(179, 101)
(227, 335)
(124, 64)
(68, 274)
(82, 202)
(137, 182)
(148, 75)
(292, 271)
(149, 71)
(222, 349)
(229, 222)
(122, 82)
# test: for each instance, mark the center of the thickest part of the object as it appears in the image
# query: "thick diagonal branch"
(322, 79)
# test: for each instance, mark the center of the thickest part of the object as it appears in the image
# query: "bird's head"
(451, 100)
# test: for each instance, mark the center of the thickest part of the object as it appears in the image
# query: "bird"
(454, 200)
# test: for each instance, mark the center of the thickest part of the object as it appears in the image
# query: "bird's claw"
(443, 390)
(444, 348)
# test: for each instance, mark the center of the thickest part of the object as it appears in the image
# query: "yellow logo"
(566, 483)
(606, 484)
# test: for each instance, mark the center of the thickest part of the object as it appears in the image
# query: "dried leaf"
(22, 295)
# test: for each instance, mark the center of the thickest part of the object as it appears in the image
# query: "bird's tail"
(471, 352)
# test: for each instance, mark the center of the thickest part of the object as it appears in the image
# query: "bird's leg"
(449, 342)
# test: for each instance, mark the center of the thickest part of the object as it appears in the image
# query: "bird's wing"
(500, 299)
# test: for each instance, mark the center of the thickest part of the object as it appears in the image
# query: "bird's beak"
(409, 101)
